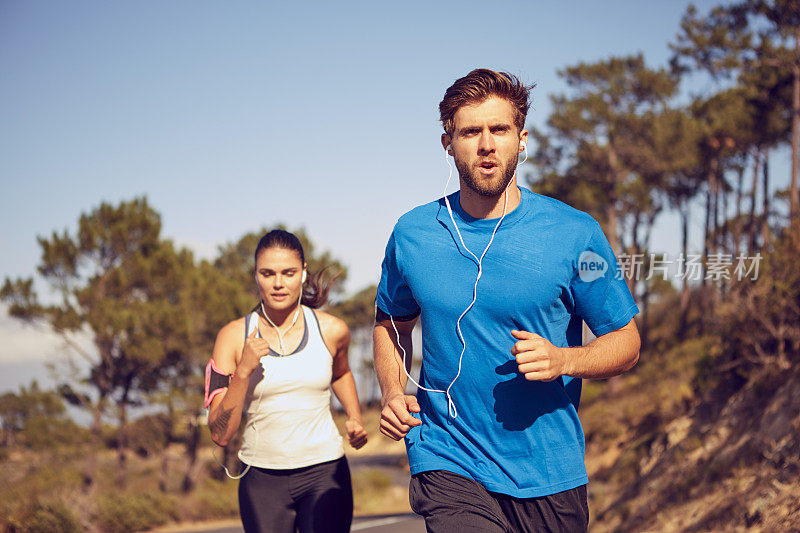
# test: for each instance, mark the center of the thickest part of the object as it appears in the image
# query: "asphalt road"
(402, 523)
(410, 523)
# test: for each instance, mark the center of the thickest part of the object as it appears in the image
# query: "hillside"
(664, 458)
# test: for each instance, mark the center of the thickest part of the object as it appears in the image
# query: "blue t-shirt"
(549, 267)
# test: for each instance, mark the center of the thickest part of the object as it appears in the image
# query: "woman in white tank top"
(277, 366)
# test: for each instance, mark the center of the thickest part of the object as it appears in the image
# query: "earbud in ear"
(449, 150)
(303, 277)
(523, 146)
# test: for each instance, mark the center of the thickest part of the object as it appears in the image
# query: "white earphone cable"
(254, 317)
(294, 320)
(254, 321)
(451, 406)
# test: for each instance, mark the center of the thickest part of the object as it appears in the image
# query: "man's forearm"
(388, 360)
(606, 356)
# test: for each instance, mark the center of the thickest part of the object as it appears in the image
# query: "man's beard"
(491, 187)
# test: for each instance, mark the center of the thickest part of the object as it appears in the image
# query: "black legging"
(316, 498)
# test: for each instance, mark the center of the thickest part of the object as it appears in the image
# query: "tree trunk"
(765, 215)
(97, 443)
(794, 197)
(723, 237)
(717, 239)
(9, 435)
(684, 209)
(192, 447)
(709, 224)
(737, 225)
(716, 186)
(651, 218)
(708, 242)
(163, 475)
(634, 251)
(611, 206)
(122, 441)
(751, 224)
(613, 237)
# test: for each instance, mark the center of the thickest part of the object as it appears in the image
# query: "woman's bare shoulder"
(230, 341)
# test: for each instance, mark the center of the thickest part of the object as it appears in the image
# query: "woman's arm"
(225, 413)
(337, 337)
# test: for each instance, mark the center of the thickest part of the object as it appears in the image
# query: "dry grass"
(45, 487)
(34, 484)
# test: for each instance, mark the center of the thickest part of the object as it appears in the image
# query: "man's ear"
(446, 140)
(523, 138)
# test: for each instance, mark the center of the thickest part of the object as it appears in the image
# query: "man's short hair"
(480, 85)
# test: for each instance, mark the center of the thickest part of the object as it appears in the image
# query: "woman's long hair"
(316, 286)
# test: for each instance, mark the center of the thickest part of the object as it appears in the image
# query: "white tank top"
(288, 405)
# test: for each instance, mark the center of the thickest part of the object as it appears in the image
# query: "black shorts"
(451, 503)
(316, 498)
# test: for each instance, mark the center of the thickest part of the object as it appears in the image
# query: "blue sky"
(231, 116)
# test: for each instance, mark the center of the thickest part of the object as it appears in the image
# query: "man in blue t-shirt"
(502, 280)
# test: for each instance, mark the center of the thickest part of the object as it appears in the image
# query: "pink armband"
(216, 382)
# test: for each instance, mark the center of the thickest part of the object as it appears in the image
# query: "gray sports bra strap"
(247, 327)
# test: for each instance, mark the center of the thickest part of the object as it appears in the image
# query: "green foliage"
(600, 157)
(21, 299)
(568, 186)
(152, 311)
(44, 434)
(53, 516)
(725, 119)
(371, 479)
(757, 321)
(590, 391)
(754, 42)
(358, 311)
(35, 483)
(124, 513)
(736, 36)
(149, 434)
(714, 42)
(371, 487)
(113, 278)
(214, 499)
(37, 419)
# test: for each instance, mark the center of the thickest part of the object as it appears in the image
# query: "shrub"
(121, 513)
(53, 516)
(371, 480)
(149, 434)
(214, 499)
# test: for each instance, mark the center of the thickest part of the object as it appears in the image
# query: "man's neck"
(479, 206)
